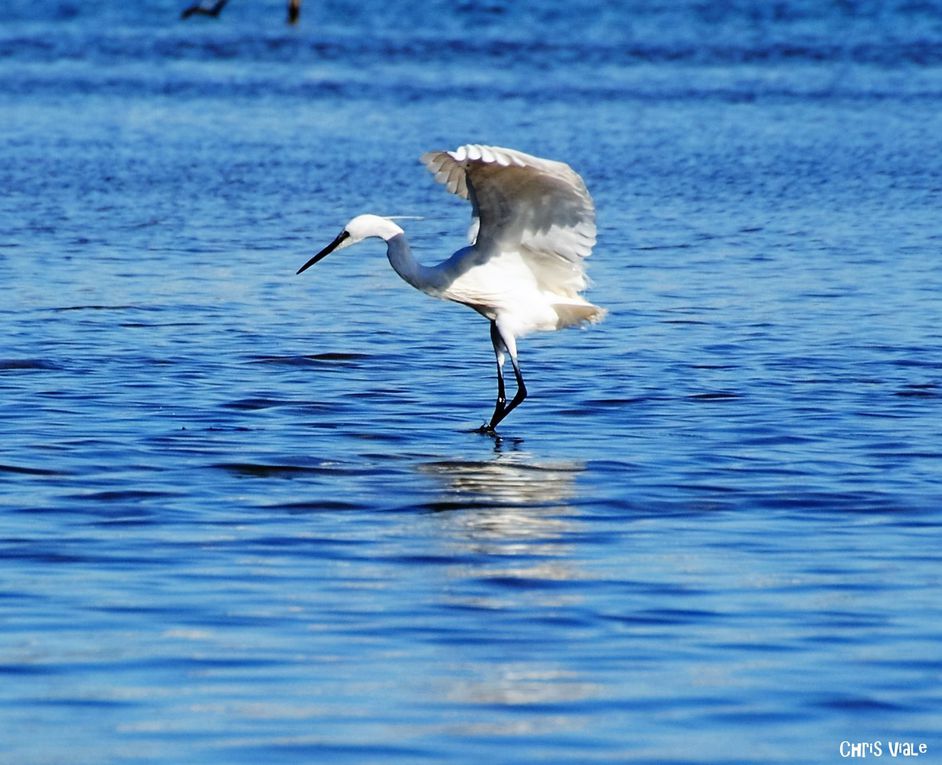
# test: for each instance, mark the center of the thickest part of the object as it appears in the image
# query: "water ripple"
(247, 517)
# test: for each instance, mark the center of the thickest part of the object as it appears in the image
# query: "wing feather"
(537, 207)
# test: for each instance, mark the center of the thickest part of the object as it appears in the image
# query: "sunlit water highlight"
(242, 514)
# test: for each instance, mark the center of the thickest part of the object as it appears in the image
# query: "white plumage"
(533, 225)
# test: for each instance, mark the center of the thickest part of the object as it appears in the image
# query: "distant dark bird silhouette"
(198, 9)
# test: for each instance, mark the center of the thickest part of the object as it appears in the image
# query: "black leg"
(501, 408)
(500, 405)
(501, 392)
(521, 389)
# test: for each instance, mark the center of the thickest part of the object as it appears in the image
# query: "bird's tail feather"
(572, 314)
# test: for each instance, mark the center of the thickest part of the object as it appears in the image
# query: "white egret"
(533, 226)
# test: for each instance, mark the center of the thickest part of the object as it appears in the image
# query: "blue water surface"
(244, 515)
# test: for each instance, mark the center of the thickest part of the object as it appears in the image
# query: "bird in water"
(198, 9)
(533, 226)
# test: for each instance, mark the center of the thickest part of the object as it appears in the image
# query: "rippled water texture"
(244, 516)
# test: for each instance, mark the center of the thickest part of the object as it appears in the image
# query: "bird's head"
(359, 228)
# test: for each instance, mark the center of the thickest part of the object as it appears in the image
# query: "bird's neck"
(404, 263)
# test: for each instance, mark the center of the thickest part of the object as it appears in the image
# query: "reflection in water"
(510, 521)
(512, 500)
(523, 686)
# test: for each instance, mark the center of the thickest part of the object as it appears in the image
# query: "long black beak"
(326, 251)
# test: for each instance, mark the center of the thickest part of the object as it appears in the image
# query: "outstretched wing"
(536, 207)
